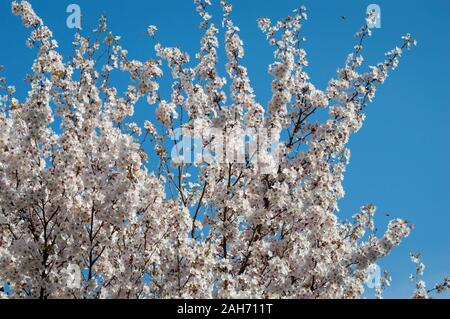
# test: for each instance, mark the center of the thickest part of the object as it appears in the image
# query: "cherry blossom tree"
(80, 192)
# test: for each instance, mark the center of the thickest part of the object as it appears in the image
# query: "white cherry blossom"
(81, 194)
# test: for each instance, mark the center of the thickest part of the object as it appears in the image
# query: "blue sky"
(400, 159)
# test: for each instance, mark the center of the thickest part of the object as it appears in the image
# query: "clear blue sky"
(400, 159)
